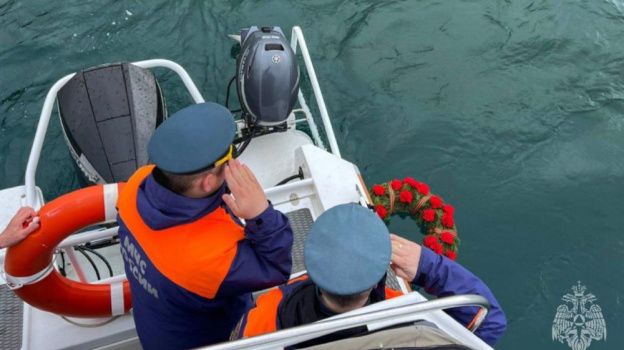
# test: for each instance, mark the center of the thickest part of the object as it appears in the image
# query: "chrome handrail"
(400, 314)
(297, 38)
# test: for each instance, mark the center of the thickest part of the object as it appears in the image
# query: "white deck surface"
(271, 157)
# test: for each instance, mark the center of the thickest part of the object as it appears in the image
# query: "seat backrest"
(108, 114)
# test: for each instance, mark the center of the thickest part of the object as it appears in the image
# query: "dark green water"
(511, 111)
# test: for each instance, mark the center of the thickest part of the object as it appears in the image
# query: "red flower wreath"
(428, 210)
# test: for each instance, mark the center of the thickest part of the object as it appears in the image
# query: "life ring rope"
(18, 282)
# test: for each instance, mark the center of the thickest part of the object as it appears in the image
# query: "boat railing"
(388, 316)
(297, 39)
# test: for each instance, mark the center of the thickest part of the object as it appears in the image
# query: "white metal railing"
(297, 38)
(310, 120)
(402, 314)
(67, 245)
(46, 112)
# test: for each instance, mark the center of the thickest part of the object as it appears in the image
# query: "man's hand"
(248, 199)
(19, 227)
(405, 257)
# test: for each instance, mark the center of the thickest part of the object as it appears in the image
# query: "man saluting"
(191, 264)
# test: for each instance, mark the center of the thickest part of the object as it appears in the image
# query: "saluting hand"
(405, 257)
(248, 199)
(18, 228)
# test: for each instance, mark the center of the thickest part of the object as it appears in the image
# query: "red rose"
(447, 237)
(396, 185)
(423, 189)
(406, 196)
(381, 211)
(410, 181)
(447, 220)
(429, 215)
(448, 209)
(436, 202)
(437, 248)
(379, 190)
(450, 254)
(430, 240)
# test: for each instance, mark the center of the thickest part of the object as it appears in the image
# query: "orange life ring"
(29, 268)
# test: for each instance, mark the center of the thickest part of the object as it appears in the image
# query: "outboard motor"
(108, 114)
(267, 76)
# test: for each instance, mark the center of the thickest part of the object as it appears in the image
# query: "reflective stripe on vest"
(196, 256)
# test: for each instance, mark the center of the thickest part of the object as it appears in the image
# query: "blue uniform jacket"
(443, 277)
(168, 316)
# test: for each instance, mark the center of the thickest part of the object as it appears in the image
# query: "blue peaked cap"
(192, 139)
(348, 250)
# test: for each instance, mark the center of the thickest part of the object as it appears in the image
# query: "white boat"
(327, 180)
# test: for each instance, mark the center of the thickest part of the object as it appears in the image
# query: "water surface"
(511, 111)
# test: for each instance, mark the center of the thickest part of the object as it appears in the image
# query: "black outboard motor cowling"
(108, 114)
(267, 76)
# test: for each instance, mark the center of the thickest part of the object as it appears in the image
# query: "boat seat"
(108, 114)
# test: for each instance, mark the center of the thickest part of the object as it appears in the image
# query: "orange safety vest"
(197, 255)
(263, 318)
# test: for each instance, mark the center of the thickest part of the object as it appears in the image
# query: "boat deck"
(11, 314)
